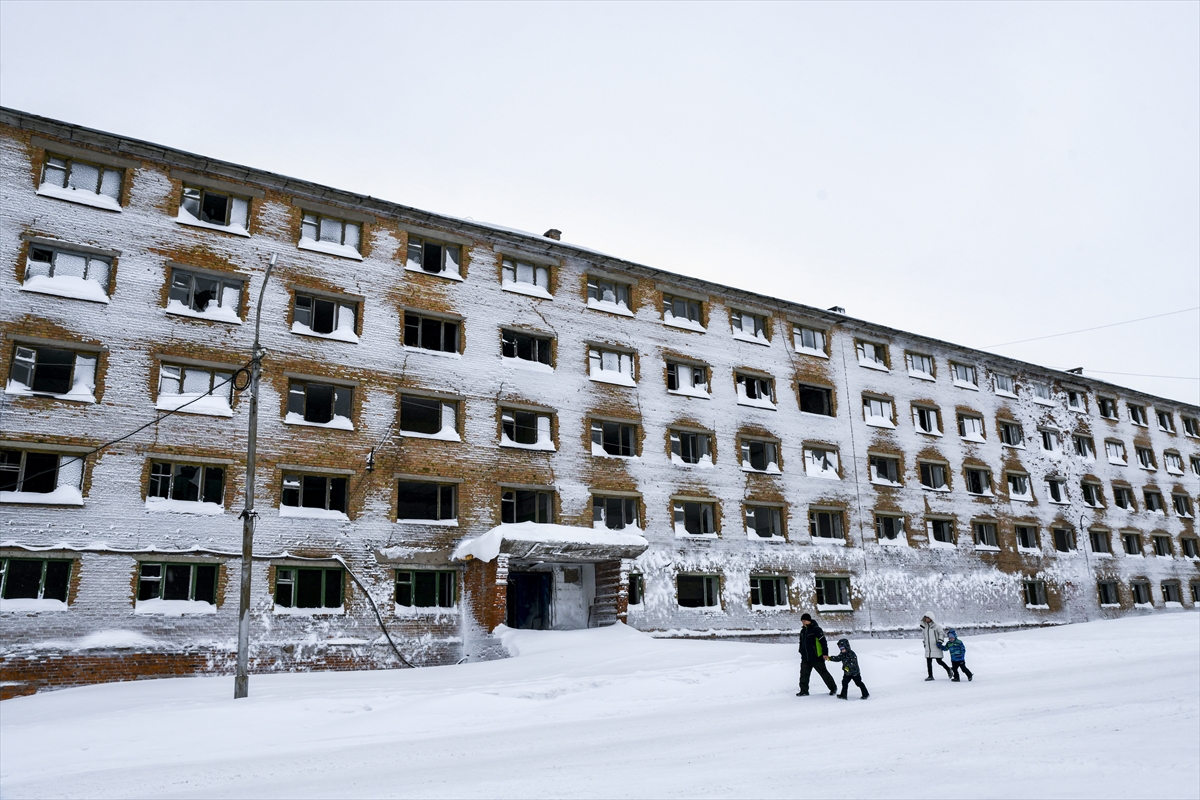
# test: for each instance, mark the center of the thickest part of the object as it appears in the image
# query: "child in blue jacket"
(958, 654)
(850, 670)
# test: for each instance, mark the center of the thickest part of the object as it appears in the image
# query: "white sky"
(977, 172)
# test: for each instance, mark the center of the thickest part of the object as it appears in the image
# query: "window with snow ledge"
(1004, 384)
(1137, 415)
(329, 317)
(940, 532)
(1077, 400)
(1191, 547)
(985, 536)
(964, 375)
(1171, 594)
(749, 327)
(927, 420)
(34, 584)
(768, 593)
(431, 332)
(815, 399)
(526, 505)
(525, 278)
(309, 590)
(1051, 440)
(1084, 447)
(691, 447)
(434, 258)
(605, 294)
(833, 593)
(682, 312)
(176, 589)
(222, 211)
(755, 390)
(40, 478)
(205, 295)
(821, 462)
(429, 418)
(318, 496)
(1101, 542)
(529, 430)
(1064, 540)
(688, 379)
(58, 372)
(694, 517)
(1154, 501)
(1011, 434)
(1035, 595)
(68, 178)
(1141, 594)
(970, 427)
(195, 390)
(1162, 546)
(1115, 450)
(527, 349)
(1019, 487)
(636, 589)
(764, 522)
(324, 405)
(979, 481)
(920, 366)
(826, 525)
(330, 235)
(889, 529)
(759, 455)
(1195, 462)
(872, 355)
(1108, 407)
(1123, 498)
(699, 591)
(186, 488)
(79, 276)
(1041, 393)
(1183, 505)
(614, 438)
(1093, 494)
(1107, 590)
(427, 502)
(606, 365)
(615, 512)
(810, 341)
(884, 470)
(1191, 426)
(1173, 462)
(419, 590)
(877, 412)
(1056, 490)
(933, 476)
(1145, 458)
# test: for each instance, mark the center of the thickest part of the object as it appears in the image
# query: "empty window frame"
(964, 375)
(1141, 593)
(1191, 426)
(759, 455)
(970, 427)
(750, 325)
(1162, 546)
(682, 310)
(215, 208)
(1012, 434)
(833, 592)
(428, 416)
(920, 365)
(768, 591)
(872, 354)
(695, 517)
(1195, 462)
(1115, 450)
(316, 588)
(889, 527)
(1101, 541)
(426, 501)
(330, 230)
(1005, 384)
(884, 469)
(1064, 539)
(1137, 414)
(1173, 462)
(1035, 594)
(691, 447)
(940, 530)
(324, 492)
(514, 273)
(821, 462)
(526, 347)
(319, 403)
(1076, 400)
(189, 483)
(1166, 421)
(611, 366)
(38, 472)
(1170, 591)
(815, 399)
(933, 475)
(64, 172)
(614, 513)
(1132, 542)
(1154, 501)
(878, 411)
(1027, 537)
(194, 582)
(687, 378)
(1191, 547)
(754, 390)
(1092, 493)
(66, 266)
(927, 419)
(1108, 407)
(698, 591)
(1019, 486)
(1041, 391)
(1123, 498)
(430, 333)
(321, 315)
(766, 522)
(1183, 504)
(811, 341)
(39, 369)
(826, 524)
(425, 588)
(526, 505)
(1145, 458)
(637, 589)
(436, 258)
(205, 294)
(35, 579)
(602, 292)
(1107, 591)
(1084, 446)
(531, 429)
(985, 535)
(614, 438)
(1051, 440)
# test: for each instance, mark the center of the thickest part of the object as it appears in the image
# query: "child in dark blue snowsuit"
(850, 671)
(958, 654)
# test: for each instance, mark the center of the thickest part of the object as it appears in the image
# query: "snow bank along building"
(479, 426)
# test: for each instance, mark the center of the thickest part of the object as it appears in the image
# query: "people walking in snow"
(813, 652)
(958, 654)
(850, 670)
(932, 635)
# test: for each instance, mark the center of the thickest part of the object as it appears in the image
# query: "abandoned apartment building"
(482, 427)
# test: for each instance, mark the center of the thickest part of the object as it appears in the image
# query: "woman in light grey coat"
(932, 635)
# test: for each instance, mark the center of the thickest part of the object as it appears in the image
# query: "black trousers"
(806, 668)
(847, 677)
(929, 666)
(960, 665)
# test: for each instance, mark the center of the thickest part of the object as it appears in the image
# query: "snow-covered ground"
(1104, 709)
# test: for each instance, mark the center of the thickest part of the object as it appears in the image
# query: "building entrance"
(529, 600)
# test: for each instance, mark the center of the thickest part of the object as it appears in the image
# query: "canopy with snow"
(549, 542)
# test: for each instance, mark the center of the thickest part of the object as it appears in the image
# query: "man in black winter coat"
(813, 650)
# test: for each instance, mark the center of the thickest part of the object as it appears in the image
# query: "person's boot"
(955, 679)
(970, 677)
(832, 692)
(843, 697)
(801, 693)
(929, 678)
(865, 694)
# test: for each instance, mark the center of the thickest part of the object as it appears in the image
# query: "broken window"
(1012, 434)
(1056, 488)
(1183, 504)
(1018, 486)
(614, 513)
(1191, 426)
(425, 588)
(760, 455)
(920, 365)
(52, 370)
(34, 579)
(877, 411)
(637, 589)
(833, 591)
(1108, 407)
(1145, 457)
(195, 582)
(748, 324)
(1093, 494)
(204, 294)
(699, 591)
(940, 530)
(1064, 540)
(927, 420)
(1137, 414)
(1115, 451)
(808, 340)
(1051, 440)
(871, 354)
(821, 462)
(216, 208)
(428, 416)
(1195, 462)
(308, 587)
(50, 262)
(825, 524)
(520, 273)
(178, 384)
(1154, 501)
(420, 500)
(1027, 538)
(1004, 384)
(430, 333)
(330, 230)
(1084, 446)
(526, 429)
(1076, 400)
(38, 472)
(754, 390)
(695, 517)
(1141, 593)
(68, 173)
(611, 366)
(1041, 391)
(1191, 547)
(889, 527)
(764, 521)
(614, 438)
(525, 347)
(323, 316)
(933, 476)
(434, 257)
(1108, 593)
(690, 447)
(963, 374)
(526, 505)
(1035, 594)
(1173, 462)
(1162, 546)
(681, 309)
(315, 491)
(768, 591)
(687, 378)
(970, 427)
(815, 400)
(601, 292)
(985, 534)
(1123, 498)
(191, 483)
(1100, 541)
(1170, 591)
(319, 403)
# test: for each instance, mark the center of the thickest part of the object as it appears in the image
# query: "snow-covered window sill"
(704, 463)
(772, 469)
(875, 365)
(213, 313)
(337, 423)
(611, 308)
(544, 446)
(425, 611)
(1174, 471)
(1042, 402)
(879, 422)
(1041, 607)
(701, 393)
(939, 489)
(174, 608)
(829, 542)
(980, 494)
(702, 609)
(183, 506)
(329, 248)
(899, 541)
(527, 289)
(29, 604)
(1143, 605)
(285, 611)
(681, 533)
(976, 438)
(1110, 605)
(937, 544)
(684, 324)
(62, 496)
(599, 451)
(834, 608)
(613, 378)
(746, 337)
(1014, 446)
(338, 335)
(185, 218)
(450, 276)
(312, 513)
(1102, 555)
(770, 609)
(1021, 498)
(440, 523)
(808, 351)
(532, 366)
(763, 404)
(17, 390)
(930, 433)
(885, 484)
(438, 353)
(84, 198)
(923, 376)
(206, 405)
(1003, 393)
(1059, 503)
(986, 548)
(965, 385)
(754, 537)
(1172, 604)
(69, 286)
(825, 474)
(443, 435)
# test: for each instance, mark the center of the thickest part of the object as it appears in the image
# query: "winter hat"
(806, 616)
(950, 634)
(844, 644)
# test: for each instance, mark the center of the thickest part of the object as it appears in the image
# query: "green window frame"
(159, 580)
(426, 588)
(35, 578)
(310, 587)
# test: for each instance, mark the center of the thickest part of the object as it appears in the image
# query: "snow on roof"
(528, 538)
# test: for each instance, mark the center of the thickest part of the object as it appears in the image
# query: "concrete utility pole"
(241, 684)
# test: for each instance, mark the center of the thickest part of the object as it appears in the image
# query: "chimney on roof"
(553, 233)
(837, 309)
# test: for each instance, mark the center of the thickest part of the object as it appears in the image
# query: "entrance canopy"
(558, 543)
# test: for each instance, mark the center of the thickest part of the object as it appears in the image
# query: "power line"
(1098, 327)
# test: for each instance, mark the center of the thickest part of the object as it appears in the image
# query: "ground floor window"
(1141, 593)
(637, 589)
(768, 591)
(298, 587)
(1196, 592)
(1170, 591)
(34, 579)
(699, 591)
(158, 581)
(425, 588)
(1108, 593)
(833, 591)
(1035, 594)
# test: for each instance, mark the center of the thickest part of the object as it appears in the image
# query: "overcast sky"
(980, 173)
